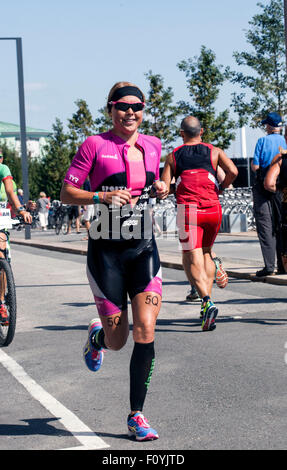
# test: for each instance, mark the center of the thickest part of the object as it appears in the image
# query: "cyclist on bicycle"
(7, 179)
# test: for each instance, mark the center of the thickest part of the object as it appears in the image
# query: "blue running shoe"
(92, 356)
(209, 315)
(139, 428)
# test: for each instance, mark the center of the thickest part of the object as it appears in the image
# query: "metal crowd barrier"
(237, 211)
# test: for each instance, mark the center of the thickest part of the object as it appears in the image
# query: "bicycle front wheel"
(58, 225)
(7, 331)
(65, 225)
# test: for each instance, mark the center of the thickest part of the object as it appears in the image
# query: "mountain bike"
(7, 283)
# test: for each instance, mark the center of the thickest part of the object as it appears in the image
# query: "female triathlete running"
(123, 169)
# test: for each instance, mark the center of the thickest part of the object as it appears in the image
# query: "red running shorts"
(198, 228)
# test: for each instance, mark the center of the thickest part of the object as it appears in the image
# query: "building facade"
(36, 138)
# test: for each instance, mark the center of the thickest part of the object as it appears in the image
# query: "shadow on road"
(35, 426)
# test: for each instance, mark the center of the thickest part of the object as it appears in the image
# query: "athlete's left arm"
(273, 173)
(168, 171)
(228, 167)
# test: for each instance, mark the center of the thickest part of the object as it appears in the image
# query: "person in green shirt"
(7, 179)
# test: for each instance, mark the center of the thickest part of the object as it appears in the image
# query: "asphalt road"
(216, 390)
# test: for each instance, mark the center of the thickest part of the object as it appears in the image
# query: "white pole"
(243, 143)
(244, 153)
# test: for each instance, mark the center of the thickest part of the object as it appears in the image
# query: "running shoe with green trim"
(210, 312)
(139, 428)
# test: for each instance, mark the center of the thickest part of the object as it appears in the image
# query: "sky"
(78, 49)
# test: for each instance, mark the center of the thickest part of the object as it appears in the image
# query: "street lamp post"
(24, 159)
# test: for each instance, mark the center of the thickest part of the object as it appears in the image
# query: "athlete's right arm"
(168, 171)
(76, 196)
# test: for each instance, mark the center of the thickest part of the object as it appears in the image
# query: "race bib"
(5, 216)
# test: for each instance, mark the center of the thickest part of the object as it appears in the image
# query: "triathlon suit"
(198, 208)
(122, 253)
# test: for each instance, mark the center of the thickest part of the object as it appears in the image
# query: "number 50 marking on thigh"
(152, 299)
(114, 321)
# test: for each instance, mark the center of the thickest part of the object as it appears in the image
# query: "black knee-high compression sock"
(98, 339)
(141, 368)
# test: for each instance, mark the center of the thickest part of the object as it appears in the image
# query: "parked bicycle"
(61, 219)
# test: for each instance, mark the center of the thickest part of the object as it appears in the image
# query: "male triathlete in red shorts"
(194, 165)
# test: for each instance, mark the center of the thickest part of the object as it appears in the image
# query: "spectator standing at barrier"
(267, 211)
(43, 205)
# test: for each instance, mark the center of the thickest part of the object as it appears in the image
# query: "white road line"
(74, 425)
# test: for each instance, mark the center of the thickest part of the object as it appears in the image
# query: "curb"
(275, 280)
(76, 251)
(235, 274)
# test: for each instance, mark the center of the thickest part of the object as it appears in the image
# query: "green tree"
(204, 81)
(12, 159)
(35, 171)
(265, 84)
(56, 161)
(103, 122)
(160, 114)
(81, 125)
